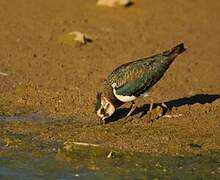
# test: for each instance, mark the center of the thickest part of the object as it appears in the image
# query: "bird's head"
(104, 108)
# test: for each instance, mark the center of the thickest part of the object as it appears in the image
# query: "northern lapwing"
(133, 79)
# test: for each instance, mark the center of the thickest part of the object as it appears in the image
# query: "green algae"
(141, 166)
(92, 163)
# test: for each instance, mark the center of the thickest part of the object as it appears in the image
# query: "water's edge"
(69, 161)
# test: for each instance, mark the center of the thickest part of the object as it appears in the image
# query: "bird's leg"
(132, 108)
(165, 106)
(150, 111)
(157, 112)
(151, 106)
(167, 115)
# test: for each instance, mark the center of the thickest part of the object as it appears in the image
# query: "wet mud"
(48, 93)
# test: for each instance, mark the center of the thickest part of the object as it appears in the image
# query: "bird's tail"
(172, 53)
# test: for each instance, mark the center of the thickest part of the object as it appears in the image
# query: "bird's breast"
(109, 94)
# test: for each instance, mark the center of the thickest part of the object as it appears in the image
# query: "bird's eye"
(102, 111)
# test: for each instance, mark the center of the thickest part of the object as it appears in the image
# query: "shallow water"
(92, 163)
(71, 161)
(22, 118)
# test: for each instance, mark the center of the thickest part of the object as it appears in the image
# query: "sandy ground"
(60, 81)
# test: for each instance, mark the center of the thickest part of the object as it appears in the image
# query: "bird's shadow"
(199, 98)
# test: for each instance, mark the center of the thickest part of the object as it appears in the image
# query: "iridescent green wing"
(132, 78)
(137, 77)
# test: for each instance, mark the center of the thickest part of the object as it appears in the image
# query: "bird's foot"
(128, 115)
(157, 112)
(160, 111)
(167, 115)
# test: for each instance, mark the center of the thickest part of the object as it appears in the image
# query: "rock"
(3, 74)
(112, 3)
(113, 154)
(74, 37)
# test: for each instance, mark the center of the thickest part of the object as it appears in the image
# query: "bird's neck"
(108, 94)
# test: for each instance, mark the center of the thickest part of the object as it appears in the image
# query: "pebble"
(112, 3)
(74, 37)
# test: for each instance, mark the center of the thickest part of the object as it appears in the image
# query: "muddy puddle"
(21, 158)
(23, 118)
(93, 163)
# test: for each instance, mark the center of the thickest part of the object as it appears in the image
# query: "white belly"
(124, 98)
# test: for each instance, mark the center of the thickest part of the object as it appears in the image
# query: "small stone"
(74, 37)
(112, 3)
(113, 154)
(3, 74)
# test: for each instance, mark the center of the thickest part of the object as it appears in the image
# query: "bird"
(132, 80)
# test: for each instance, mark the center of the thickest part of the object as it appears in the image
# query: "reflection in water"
(92, 163)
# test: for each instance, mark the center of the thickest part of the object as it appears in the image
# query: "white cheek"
(99, 113)
(110, 110)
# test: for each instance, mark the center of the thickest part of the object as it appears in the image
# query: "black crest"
(98, 100)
